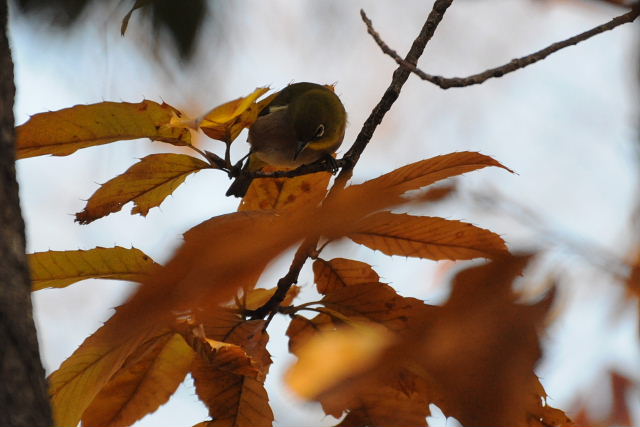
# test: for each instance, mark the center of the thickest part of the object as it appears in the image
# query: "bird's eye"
(319, 131)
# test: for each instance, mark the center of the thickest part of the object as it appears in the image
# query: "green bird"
(304, 123)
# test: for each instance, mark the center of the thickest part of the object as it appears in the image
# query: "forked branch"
(513, 65)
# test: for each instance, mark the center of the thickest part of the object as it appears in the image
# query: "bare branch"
(513, 65)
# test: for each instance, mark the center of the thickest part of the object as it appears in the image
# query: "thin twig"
(400, 76)
(513, 65)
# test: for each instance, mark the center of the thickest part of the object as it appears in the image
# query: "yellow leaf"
(58, 269)
(83, 375)
(427, 237)
(341, 272)
(258, 297)
(63, 132)
(285, 193)
(237, 400)
(146, 184)
(426, 172)
(145, 382)
(328, 358)
(226, 121)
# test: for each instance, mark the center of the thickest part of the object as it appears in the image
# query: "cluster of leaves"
(369, 353)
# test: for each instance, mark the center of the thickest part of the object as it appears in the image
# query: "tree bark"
(23, 388)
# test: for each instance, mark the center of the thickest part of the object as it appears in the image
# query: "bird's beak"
(300, 146)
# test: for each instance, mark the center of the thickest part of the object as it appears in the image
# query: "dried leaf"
(285, 193)
(146, 184)
(58, 269)
(219, 355)
(83, 375)
(487, 380)
(145, 382)
(237, 400)
(376, 302)
(63, 132)
(340, 272)
(397, 399)
(426, 172)
(427, 237)
(226, 121)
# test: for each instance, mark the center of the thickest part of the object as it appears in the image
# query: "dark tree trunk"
(23, 389)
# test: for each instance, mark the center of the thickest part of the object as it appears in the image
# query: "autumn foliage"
(366, 353)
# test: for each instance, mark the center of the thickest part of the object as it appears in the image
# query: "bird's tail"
(239, 187)
(241, 184)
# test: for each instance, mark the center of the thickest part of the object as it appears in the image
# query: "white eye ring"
(319, 131)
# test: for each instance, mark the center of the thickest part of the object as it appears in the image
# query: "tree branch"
(349, 160)
(513, 65)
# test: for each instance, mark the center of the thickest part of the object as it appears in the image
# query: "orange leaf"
(426, 237)
(145, 382)
(426, 172)
(341, 272)
(286, 193)
(58, 269)
(63, 132)
(83, 375)
(232, 399)
(146, 184)
(226, 121)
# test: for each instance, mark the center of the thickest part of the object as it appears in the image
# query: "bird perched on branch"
(304, 123)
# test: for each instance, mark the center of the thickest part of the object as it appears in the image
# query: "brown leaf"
(482, 347)
(58, 269)
(341, 272)
(63, 132)
(219, 355)
(237, 400)
(146, 184)
(145, 382)
(376, 302)
(427, 237)
(285, 193)
(426, 172)
(397, 399)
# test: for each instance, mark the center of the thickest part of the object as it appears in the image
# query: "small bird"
(304, 123)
